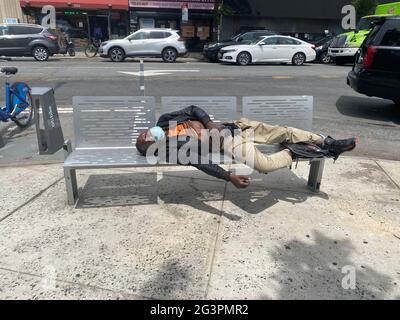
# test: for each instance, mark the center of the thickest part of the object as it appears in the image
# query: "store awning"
(77, 4)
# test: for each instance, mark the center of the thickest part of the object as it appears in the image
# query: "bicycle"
(19, 105)
(93, 49)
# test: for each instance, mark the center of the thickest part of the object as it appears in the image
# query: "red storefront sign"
(174, 4)
(77, 4)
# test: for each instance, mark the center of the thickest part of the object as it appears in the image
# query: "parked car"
(321, 48)
(164, 43)
(377, 68)
(211, 50)
(27, 40)
(281, 49)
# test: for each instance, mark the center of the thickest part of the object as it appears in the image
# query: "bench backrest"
(109, 122)
(221, 109)
(291, 111)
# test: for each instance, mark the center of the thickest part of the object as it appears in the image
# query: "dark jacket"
(192, 113)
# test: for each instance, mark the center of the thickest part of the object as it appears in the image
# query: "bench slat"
(220, 109)
(292, 111)
(102, 122)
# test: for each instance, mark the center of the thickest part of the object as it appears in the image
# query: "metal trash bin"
(50, 136)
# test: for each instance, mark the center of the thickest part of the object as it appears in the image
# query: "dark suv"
(22, 40)
(211, 50)
(377, 68)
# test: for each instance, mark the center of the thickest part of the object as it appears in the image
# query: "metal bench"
(106, 129)
(294, 111)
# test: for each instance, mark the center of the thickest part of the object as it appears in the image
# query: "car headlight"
(230, 50)
(319, 48)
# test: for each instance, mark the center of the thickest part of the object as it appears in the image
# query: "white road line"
(152, 73)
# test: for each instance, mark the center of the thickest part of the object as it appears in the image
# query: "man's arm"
(216, 171)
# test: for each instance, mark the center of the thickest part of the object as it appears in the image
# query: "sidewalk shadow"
(172, 282)
(313, 271)
(188, 188)
(369, 108)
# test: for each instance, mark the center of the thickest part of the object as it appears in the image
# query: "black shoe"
(306, 151)
(337, 147)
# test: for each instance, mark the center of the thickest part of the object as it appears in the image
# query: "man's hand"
(240, 182)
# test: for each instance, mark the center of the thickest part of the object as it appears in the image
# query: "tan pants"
(243, 147)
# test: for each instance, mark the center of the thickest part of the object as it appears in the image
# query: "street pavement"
(176, 233)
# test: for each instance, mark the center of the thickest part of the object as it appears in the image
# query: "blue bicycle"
(19, 106)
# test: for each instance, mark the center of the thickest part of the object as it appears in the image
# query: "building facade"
(10, 11)
(305, 18)
(84, 20)
(197, 27)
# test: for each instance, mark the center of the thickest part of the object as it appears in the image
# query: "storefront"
(84, 20)
(197, 29)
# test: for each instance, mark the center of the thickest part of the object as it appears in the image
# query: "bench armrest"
(67, 147)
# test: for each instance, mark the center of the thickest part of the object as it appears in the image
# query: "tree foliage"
(364, 7)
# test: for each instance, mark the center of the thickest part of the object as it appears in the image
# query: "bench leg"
(71, 185)
(315, 176)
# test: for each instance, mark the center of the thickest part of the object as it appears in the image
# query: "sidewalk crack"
(215, 244)
(387, 174)
(31, 199)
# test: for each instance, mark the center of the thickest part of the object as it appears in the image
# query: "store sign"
(174, 4)
(10, 20)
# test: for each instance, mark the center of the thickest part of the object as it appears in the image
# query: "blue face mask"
(157, 133)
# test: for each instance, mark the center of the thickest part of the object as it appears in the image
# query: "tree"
(364, 7)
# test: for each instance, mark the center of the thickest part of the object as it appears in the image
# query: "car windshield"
(234, 38)
(257, 40)
(365, 24)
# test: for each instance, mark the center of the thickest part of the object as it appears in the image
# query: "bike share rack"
(50, 136)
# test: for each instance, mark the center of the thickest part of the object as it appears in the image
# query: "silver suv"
(164, 43)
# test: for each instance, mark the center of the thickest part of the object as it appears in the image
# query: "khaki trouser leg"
(267, 134)
(243, 147)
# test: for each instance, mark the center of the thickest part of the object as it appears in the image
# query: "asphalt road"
(338, 110)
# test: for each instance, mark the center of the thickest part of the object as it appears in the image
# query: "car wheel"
(325, 58)
(243, 59)
(299, 59)
(117, 55)
(40, 53)
(169, 55)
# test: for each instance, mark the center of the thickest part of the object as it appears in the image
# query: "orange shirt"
(184, 129)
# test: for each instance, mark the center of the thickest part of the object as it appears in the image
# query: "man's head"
(146, 139)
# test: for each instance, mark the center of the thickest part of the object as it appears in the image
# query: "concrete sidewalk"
(176, 233)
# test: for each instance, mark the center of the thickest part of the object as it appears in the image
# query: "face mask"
(157, 133)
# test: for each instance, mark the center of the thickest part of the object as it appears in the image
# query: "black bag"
(306, 151)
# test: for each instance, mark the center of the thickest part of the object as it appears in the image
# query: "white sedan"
(279, 49)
